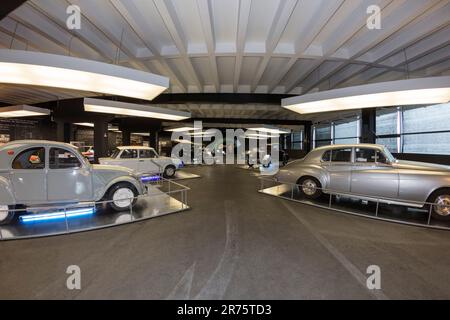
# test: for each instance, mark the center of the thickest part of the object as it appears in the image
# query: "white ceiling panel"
(254, 46)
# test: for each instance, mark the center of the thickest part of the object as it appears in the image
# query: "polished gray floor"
(234, 243)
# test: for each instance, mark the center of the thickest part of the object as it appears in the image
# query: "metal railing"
(332, 199)
(29, 222)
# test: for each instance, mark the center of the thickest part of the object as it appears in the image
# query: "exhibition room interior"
(225, 150)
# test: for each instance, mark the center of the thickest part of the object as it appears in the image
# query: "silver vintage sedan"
(41, 173)
(370, 172)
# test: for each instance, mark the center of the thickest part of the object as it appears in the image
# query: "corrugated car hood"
(102, 167)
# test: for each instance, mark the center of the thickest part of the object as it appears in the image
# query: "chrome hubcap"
(309, 187)
(123, 197)
(442, 205)
(169, 171)
(3, 212)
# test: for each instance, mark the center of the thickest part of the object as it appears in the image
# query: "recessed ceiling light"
(57, 71)
(84, 124)
(269, 129)
(183, 129)
(392, 93)
(22, 111)
(132, 109)
(143, 134)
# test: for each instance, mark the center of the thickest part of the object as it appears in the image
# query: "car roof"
(134, 147)
(352, 145)
(21, 143)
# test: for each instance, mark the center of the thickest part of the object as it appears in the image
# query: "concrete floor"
(235, 243)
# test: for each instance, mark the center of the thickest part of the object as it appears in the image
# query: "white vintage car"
(143, 160)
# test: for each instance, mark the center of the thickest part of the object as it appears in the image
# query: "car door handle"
(141, 160)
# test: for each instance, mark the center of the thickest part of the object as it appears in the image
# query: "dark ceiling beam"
(251, 121)
(72, 110)
(9, 6)
(225, 98)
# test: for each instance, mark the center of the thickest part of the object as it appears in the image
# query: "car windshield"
(115, 153)
(389, 155)
(80, 156)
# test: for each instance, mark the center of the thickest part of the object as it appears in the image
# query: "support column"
(368, 125)
(126, 137)
(60, 131)
(64, 131)
(153, 140)
(307, 141)
(100, 139)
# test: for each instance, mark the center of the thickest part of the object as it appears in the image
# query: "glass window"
(430, 143)
(147, 154)
(347, 129)
(323, 133)
(341, 155)
(426, 118)
(381, 158)
(386, 121)
(129, 154)
(297, 140)
(33, 158)
(326, 155)
(346, 141)
(296, 146)
(364, 155)
(63, 159)
(390, 143)
(322, 143)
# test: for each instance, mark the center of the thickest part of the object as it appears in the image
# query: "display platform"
(259, 170)
(183, 175)
(158, 202)
(381, 211)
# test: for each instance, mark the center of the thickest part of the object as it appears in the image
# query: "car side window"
(63, 159)
(326, 156)
(381, 158)
(341, 155)
(33, 158)
(365, 155)
(129, 154)
(147, 154)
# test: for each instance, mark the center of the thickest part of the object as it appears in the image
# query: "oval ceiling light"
(133, 110)
(269, 129)
(383, 94)
(22, 111)
(57, 71)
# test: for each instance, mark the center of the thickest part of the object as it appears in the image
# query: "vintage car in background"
(88, 152)
(37, 173)
(370, 172)
(143, 160)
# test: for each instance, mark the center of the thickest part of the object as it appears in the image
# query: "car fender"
(6, 192)
(316, 172)
(137, 184)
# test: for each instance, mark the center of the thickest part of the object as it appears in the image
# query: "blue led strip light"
(48, 216)
(150, 178)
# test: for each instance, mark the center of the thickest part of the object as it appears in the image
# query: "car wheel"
(441, 206)
(5, 214)
(122, 196)
(309, 187)
(169, 171)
